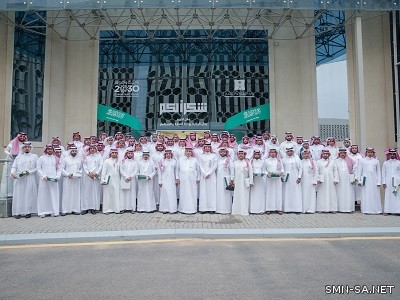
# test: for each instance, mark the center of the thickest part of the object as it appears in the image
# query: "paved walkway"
(129, 226)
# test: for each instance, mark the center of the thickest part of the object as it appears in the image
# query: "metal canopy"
(80, 25)
(24, 5)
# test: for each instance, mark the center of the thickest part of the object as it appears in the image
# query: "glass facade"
(28, 76)
(183, 81)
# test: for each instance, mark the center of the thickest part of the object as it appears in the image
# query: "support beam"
(360, 86)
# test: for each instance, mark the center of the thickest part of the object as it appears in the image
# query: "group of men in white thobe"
(212, 173)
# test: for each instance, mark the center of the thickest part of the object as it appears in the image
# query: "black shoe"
(75, 213)
(93, 211)
(27, 216)
(17, 216)
(63, 214)
(84, 212)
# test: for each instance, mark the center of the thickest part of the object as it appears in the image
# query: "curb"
(155, 234)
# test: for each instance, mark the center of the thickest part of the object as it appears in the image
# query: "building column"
(359, 87)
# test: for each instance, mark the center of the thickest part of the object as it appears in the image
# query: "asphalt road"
(198, 269)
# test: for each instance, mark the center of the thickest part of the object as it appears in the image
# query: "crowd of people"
(211, 173)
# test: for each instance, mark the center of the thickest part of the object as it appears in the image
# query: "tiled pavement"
(158, 221)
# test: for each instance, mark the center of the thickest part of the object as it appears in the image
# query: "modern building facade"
(181, 65)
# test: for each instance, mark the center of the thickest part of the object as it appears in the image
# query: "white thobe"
(156, 157)
(308, 185)
(25, 188)
(326, 190)
(167, 177)
(145, 196)
(180, 151)
(121, 154)
(391, 174)
(287, 144)
(344, 189)
(257, 191)
(273, 195)
(6, 185)
(128, 193)
(356, 188)
(188, 175)
(207, 167)
(224, 176)
(137, 155)
(243, 171)
(370, 193)
(316, 151)
(48, 191)
(111, 190)
(91, 190)
(291, 195)
(71, 192)
(334, 151)
(214, 146)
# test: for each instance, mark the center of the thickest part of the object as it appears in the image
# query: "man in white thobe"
(327, 179)
(369, 178)
(316, 147)
(291, 195)
(224, 179)
(13, 149)
(308, 182)
(273, 195)
(157, 154)
(25, 184)
(110, 178)
(167, 181)
(243, 180)
(287, 143)
(345, 186)
(355, 155)
(257, 192)
(72, 173)
(129, 171)
(208, 180)
(91, 190)
(48, 192)
(391, 182)
(146, 201)
(188, 176)
(246, 146)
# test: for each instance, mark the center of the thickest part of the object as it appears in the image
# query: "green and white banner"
(253, 114)
(106, 113)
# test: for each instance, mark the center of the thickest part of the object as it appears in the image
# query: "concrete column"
(369, 62)
(359, 72)
(6, 72)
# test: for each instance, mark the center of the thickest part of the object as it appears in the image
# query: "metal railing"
(6, 188)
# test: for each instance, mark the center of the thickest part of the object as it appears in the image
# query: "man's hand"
(177, 182)
(298, 180)
(384, 186)
(13, 175)
(70, 176)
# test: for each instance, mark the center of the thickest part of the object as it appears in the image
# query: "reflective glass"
(28, 76)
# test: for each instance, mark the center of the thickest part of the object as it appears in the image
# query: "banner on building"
(258, 113)
(106, 113)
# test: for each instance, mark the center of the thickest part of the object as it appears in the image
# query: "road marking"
(196, 240)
